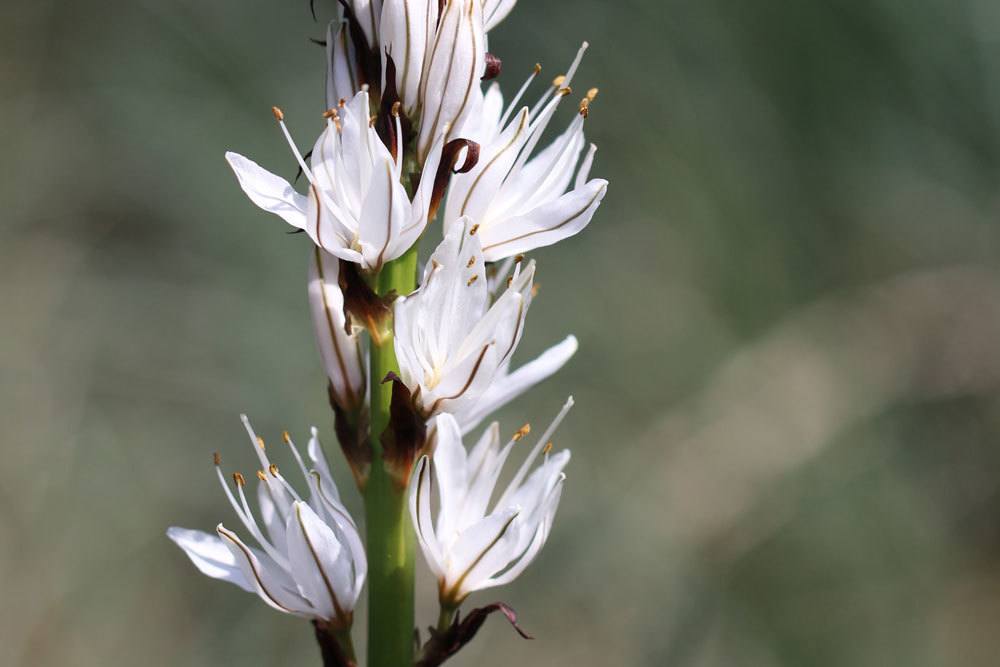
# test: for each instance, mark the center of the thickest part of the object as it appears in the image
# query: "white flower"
(310, 562)
(521, 201)
(367, 13)
(471, 546)
(340, 351)
(407, 28)
(357, 208)
(453, 346)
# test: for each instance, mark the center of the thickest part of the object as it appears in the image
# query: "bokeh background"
(786, 440)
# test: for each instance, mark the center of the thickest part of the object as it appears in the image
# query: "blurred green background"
(785, 445)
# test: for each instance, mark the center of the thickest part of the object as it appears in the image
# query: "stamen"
(260, 442)
(295, 453)
(558, 81)
(342, 103)
(592, 93)
(585, 107)
(472, 260)
(239, 479)
(261, 476)
(523, 470)
(396, 107)
(519, 95)
(518, 259)
(280, 117)
(474, 229)
(521, 432)
(534, 290)
(330, 113)
(273, 469)
(216, 458)
(547, 448)
(473, 279)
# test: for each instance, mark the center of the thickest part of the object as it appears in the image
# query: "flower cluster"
(411, 137)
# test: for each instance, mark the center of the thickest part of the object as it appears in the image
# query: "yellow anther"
(564, 91)
(538, 68)
(534, 290)
(592, 93)
(273, 469)
(260, 442)
(473, 279)
(287, 438)
(330, 113)
(371, 120)
(523, 431)
(261, 476)
(472, 260)
(518, 259)
(239, 479)
(395, 108)
(475, 228)
(547, 448)
(342, 103)
(585, 107)
(279, 115)
(558, 81)
(216, 458)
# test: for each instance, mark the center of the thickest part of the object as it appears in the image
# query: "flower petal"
(210, 555)
(271, 193)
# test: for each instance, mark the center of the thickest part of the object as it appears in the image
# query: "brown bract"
(449, 157)
(361, 303)
(443, 645)
(406, 435)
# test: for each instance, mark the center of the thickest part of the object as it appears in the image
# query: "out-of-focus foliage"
(786, 440)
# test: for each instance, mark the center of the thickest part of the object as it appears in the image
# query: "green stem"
(390, 535)
(445, 618)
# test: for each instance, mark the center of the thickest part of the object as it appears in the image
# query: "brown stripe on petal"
(560, 224)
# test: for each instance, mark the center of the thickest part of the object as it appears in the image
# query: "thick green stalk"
(390, 535)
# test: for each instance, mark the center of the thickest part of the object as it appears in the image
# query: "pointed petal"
(505, 389)
(320, 565)
(270, 582)
(546, 224)
(271, 193)
(209, 555)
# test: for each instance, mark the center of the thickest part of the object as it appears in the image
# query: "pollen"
(239, 479)
(474, 229)
(592, 93)
(547, 448)
(558, 81)
(330, 113)
(273, 469)
(216, 458)
(564, 91)
(279, 115)
(287, 438)
(473, 279)
(261, 476)
(260, 442)
(342, 103)
(538, 68)
(521, 432)
(395, 108)
(472, 260)
(585, 107)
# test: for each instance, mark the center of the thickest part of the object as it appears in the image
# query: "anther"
(273, 469)
(239, 479)
(395, 108)
(547, 448)
(330, 113)
(279, 115)
(534, 290)
(558, 81)
(371, 120)
(474, 229)
(342, 103)
(473, 279)
(585, 107)
(518, 259)
(564, 91)
(216, 458)
(592, 93)
(521, 432)
(260, 442)
(538, 68)
(287, 438)
(261, 476)
(472, 260)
